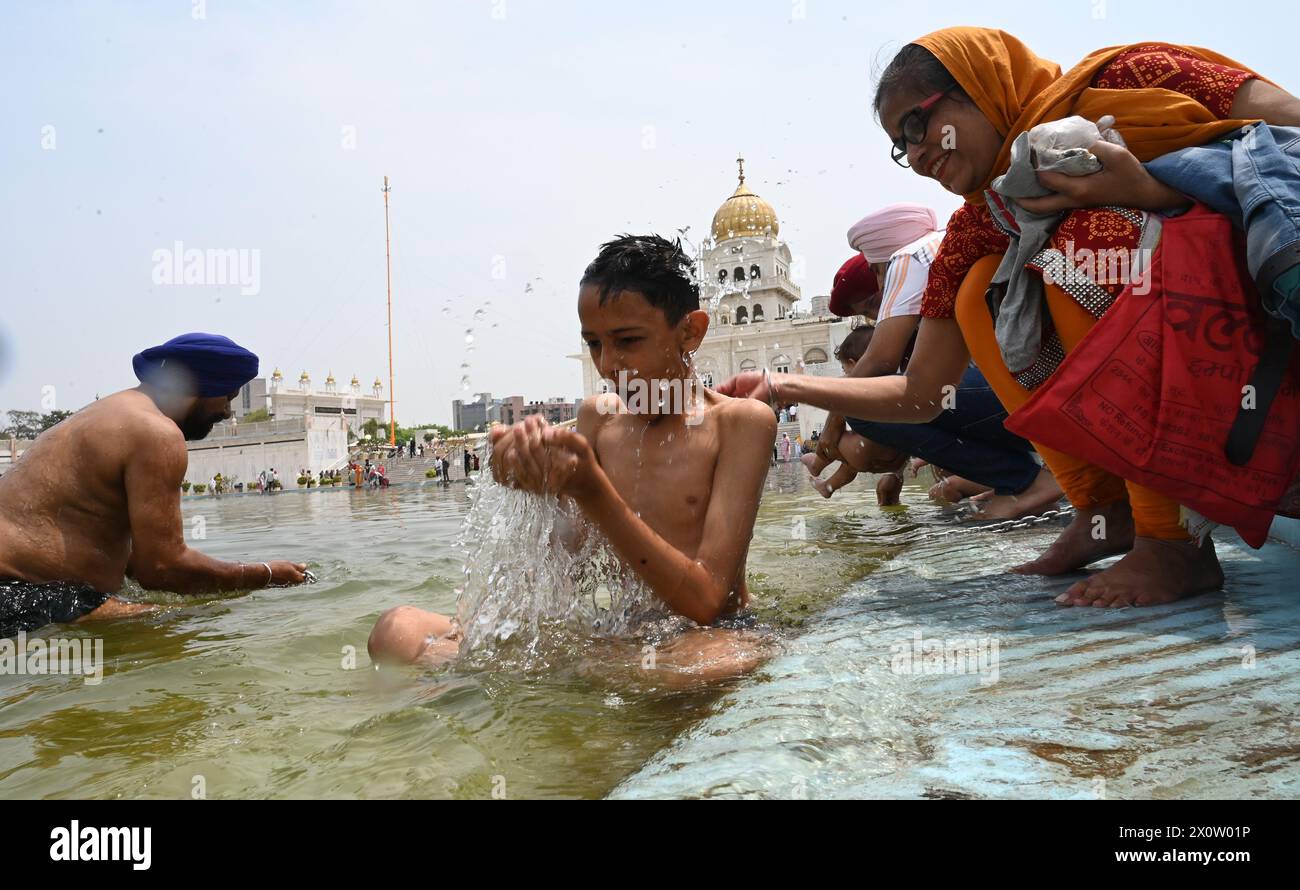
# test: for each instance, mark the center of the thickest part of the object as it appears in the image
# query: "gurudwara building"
(308, 429)
(757, 316)
(285, 401)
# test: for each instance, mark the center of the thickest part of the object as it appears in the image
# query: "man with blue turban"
(96, 498)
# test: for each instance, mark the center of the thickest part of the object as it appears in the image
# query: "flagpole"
(388, 256)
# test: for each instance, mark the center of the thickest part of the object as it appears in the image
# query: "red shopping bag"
(1151, 391)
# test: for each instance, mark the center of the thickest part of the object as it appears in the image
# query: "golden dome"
(744, 214)
(303, 378)
(330, 378)
(355, 381)
(378, 382)
(277, 375)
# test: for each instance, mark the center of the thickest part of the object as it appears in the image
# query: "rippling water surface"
(255, 695)
(251, 693)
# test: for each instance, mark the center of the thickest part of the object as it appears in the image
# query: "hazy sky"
(518, 135)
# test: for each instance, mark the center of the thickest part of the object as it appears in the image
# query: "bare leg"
(116, 608)
(1081, 542)
(1154, 572)
(842, 476)
(407, 635)
(707, 655)
(814, 462)
(1043, 493)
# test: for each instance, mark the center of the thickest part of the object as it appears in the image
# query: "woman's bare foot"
(1093, 534)
(813, 463)
(1043, 493)
(1154, 572)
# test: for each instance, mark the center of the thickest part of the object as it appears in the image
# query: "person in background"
(96, 499)
(898, 244)
(858, 454)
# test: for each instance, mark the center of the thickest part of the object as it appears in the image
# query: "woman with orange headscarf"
(953, 102)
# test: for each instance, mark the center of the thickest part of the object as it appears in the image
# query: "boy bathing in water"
(673, 482)
(860, 454)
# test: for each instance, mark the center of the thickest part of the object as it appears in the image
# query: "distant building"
(509, 410)
(287, 402)
(472, 417)
(478, 415)
(556, 410)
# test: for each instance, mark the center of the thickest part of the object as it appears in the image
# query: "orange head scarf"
(1017, 90)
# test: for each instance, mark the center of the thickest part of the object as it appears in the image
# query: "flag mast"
(388, 256)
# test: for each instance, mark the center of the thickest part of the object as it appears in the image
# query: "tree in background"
(30, 424)
(256, 416)
(22, 425)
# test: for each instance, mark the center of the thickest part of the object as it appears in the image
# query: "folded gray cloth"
(1015, 295)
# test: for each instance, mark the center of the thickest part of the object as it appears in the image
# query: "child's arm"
(696, 588)
(592, 414)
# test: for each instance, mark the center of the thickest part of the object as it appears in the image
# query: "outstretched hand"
(286, 574)
(753, 385)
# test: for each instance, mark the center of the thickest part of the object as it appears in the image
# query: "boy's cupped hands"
(536, 457)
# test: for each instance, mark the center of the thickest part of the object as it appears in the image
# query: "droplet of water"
(464, 383)
(469, 337)
(479, 315)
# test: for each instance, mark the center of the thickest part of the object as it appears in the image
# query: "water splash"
(539, 581)
(713, 291)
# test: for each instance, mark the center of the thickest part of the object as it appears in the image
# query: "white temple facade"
(285, 401)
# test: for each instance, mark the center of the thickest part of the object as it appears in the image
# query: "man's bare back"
(63, 507)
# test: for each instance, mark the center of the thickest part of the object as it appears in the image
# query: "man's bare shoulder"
(749, 418)
(130, 421)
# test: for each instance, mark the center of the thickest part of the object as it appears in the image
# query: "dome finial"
(744, 214)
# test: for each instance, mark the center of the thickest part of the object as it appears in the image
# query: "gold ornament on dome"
(744, 214)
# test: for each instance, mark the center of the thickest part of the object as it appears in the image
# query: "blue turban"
(218, 364)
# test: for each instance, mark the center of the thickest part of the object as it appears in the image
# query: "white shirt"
(909, 268)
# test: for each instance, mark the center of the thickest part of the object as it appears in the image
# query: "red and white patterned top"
(971, 232)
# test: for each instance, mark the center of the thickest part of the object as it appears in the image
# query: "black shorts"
(25, 605)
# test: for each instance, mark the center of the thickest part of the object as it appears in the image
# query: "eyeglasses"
(914, 125)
